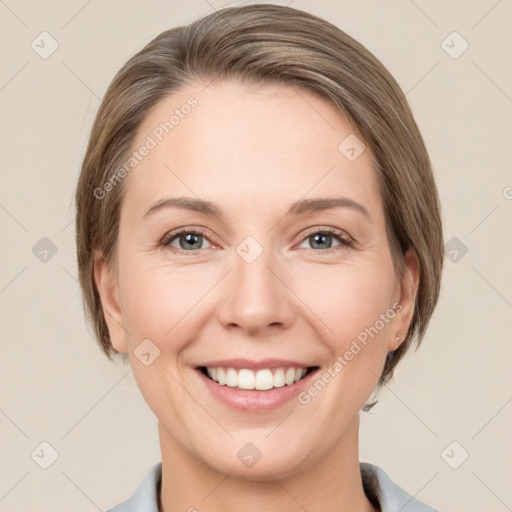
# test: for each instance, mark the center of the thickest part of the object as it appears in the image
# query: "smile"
(261, 380)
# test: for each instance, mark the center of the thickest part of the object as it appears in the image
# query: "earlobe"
(106, 284)
(396, 341)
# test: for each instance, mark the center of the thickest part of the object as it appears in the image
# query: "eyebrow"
(300, 207)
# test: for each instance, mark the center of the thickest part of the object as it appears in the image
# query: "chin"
(250, 464)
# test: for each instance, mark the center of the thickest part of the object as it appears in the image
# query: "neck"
(330, 484)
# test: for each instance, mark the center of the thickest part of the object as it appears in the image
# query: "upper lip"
(255, 365)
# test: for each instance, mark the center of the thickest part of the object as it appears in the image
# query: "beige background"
(57, 387)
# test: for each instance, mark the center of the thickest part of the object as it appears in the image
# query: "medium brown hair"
(267, 44)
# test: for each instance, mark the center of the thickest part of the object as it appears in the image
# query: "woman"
(259, 234)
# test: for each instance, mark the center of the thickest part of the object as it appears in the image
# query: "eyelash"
(345, 240)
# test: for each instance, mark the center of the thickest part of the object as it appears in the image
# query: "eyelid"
(166, 239)
(344, 238)
(343, 235)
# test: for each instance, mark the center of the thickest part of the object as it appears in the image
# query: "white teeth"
(231, 377)
(245, 379)
(221, 376)
(299, 373)
(279, 378)
(261, 380)
(289, 378)
(264, 380)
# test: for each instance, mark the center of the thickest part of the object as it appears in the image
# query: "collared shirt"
(378, 487)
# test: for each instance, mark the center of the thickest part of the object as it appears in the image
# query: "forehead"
(249, 145)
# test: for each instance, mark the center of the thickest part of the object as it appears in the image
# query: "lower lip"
(255, 400)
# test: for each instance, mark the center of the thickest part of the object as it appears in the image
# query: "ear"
(408, 290)
(108, 289)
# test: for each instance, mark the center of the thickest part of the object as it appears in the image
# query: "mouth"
(264, 379)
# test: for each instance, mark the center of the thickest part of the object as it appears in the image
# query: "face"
(264, 281)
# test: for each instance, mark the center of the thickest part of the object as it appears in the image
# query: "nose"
(257, 297)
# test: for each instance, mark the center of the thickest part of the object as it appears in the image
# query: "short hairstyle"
(261, 44)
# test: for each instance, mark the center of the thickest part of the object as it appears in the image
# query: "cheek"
(357, 308)
(352, 299)
(167, 303)
(160, 302)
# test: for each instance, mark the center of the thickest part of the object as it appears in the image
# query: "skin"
(254, 150)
